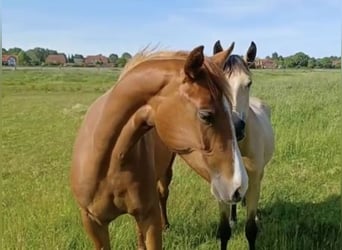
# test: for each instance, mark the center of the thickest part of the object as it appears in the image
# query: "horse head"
(239, 77)
(194, 119)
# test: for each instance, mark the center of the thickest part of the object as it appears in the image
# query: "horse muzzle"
(226, 192)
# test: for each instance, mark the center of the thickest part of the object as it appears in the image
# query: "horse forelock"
(217, 85)
(236, 63)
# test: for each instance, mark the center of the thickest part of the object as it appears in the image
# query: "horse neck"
(131, 92)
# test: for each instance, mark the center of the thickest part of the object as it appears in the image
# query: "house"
(265, 64)
(336, 64)
(9, 60)
(96, 60)
(78, 60)
(59, 59)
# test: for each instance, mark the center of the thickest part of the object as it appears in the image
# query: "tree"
(280, 62)
(326, 63)
(113, 58)
(34, 57)
(275, 56)
(4, 51)
(121, 62)
(23, 58)
(126, 55)
(289, 62)
(42, 54)
(51, 52)
(312, 63)
(301, 59)
(70, 58)
(14, 51)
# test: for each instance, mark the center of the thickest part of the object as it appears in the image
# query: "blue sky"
(104, 26)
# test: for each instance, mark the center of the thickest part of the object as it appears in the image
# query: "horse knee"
(251, 231)
(97, 231)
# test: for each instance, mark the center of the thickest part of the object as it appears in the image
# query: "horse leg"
(224, 230)
(149, 229)
(163, 190)
(252, 199)
(97, 232)
(233, 217)
(141, 239)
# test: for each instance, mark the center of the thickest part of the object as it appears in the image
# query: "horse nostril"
(242, 124)
(236, 196)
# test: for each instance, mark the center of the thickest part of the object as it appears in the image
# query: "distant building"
(78, 60)
(96, 60)
(336, 63)
(59, 59)
(265, 64)
(9, 60)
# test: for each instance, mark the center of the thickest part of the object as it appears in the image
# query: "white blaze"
(224, 189)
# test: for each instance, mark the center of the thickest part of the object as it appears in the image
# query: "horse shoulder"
(259, 142)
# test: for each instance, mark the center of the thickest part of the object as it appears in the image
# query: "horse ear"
(194, 62)
(217, 47)
(221, 57)
(251, 53)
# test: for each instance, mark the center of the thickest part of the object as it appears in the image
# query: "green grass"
(300, 201)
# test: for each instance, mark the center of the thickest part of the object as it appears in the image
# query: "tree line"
(37, 56)
(302, 60)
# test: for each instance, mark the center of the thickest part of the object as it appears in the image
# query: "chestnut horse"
(176, 102)
(256, 140)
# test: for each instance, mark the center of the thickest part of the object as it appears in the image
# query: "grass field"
(300, 203)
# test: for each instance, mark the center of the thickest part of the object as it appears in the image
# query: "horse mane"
(217, 81)
(236, 63)
(147, 54)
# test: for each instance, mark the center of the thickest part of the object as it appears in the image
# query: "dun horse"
(256, 140)
(176, 102)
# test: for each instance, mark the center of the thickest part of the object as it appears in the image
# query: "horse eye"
(206, 116)
(249, 84)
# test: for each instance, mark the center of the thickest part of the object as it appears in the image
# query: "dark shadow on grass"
(283, 226)
(287, 225)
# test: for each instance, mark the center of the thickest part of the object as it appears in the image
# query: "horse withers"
(175, 100)
(256, 140)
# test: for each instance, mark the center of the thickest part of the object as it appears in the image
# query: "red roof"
(265, 63)
(5, 58)
(56, 59)
(96, 59)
